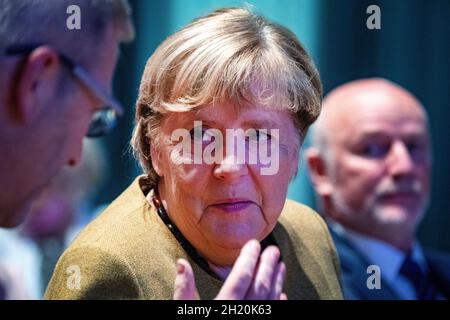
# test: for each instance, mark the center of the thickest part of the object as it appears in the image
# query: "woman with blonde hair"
(223, 108)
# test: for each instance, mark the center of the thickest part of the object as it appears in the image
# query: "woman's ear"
(36, 84)
(156, 160)
(319, 172)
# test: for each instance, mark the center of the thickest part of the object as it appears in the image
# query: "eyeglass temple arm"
(79, 72)
(99, 92)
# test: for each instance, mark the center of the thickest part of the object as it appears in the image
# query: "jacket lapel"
(439, 265)
(354, 273)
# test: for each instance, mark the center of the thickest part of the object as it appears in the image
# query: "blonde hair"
(230, 55)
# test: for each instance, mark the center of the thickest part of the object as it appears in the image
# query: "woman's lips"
(233, 206)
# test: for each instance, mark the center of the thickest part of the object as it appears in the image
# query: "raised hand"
(254, 276)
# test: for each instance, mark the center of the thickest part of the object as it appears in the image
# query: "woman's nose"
(230, 168)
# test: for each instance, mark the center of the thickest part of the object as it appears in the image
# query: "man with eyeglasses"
(54, 90)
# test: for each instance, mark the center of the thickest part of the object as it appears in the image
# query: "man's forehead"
(371, 120)
(367, 105)
(393, 114)
(378, 129)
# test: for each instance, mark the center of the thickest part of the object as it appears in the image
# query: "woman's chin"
(233, 240)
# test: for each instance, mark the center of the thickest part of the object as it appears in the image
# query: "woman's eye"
(200, 135)
(196, 134)
(258, 135)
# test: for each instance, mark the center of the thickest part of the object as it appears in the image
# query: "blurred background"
(412, 48)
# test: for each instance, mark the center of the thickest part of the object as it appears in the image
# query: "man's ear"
(156, 160)
(318, 172)
(36, 83)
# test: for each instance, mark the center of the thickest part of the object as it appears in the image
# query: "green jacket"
(129, 253)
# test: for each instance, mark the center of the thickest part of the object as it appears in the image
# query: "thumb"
(185, 288)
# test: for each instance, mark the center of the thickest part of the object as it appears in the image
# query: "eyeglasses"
(102, 120)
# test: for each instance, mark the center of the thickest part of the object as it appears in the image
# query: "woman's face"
(225, 197)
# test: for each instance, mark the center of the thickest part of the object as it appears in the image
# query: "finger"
(261, 288)
(283, 296)
(241, 276)
(184, 282)
(278, 281)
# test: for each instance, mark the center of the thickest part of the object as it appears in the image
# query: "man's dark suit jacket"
(354, 273)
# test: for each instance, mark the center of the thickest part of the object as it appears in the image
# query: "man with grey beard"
(370, 166)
